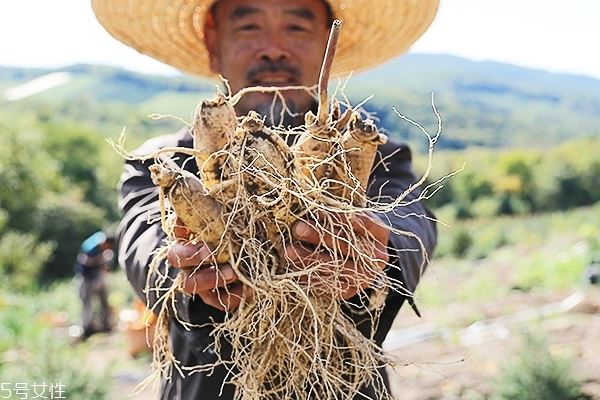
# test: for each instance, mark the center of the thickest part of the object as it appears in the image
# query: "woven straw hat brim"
(171, 31)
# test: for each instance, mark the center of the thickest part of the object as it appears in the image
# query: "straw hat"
(172, 30)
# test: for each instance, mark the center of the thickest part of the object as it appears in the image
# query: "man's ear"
(211, 42)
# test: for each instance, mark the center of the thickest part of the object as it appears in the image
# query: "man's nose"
(274, 49)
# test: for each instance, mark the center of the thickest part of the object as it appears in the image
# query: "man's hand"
(217, 286)
(315, 246)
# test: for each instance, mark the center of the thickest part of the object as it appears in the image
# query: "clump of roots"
(293, 336)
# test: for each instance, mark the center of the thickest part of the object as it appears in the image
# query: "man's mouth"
(273, 79)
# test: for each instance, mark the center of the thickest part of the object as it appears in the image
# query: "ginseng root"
(214, 126)
(189, 199)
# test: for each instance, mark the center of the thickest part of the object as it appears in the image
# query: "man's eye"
(248, 28)
(297, 28)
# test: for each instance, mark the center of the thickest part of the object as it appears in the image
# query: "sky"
(553, 35)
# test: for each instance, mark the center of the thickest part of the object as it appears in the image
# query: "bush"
(3, 219)
(27, 171)
(87, 162)
(22, 259)
(535, 374)
(66, 220)
(512, 205)
(58, 362)
(461, 243)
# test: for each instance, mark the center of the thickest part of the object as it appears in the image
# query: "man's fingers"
(208, 279)
(297, 252)
(303, 257)
(186, 255)
(335, 241)
(382, 255)
(225, 298)
(362, 223)
(341, 230)
(180, 231)
(338, 241)
(368, 222)
(352, 276)
(356, 278)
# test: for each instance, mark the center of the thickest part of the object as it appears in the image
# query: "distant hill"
(486, 103)
(482, 103)
(107, 99)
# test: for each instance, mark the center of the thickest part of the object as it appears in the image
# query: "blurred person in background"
(94, 260)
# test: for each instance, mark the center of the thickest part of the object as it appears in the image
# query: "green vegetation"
(482, 103)
(35, 345)
(57, 185)
(58, 175)
(527, 253)
(492, 234)
(534, 373)
(32, 351)
(22, 259)
(518, 181)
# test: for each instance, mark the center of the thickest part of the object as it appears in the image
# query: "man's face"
(268, 43)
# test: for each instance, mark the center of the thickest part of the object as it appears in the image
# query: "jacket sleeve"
(409, 252)
(140, 232)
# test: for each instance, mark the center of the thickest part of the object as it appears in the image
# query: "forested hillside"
(481, 103)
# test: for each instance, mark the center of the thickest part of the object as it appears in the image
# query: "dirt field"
(461, 362)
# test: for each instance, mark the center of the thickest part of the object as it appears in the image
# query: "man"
(93, 261)
(266, 43)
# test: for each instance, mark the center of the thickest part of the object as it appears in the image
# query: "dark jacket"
(139, 238)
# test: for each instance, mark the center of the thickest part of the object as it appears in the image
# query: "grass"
(553, 267)
(32, 351)
(490, 234)
(535, 373)
(35, 344)
(539, 252)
